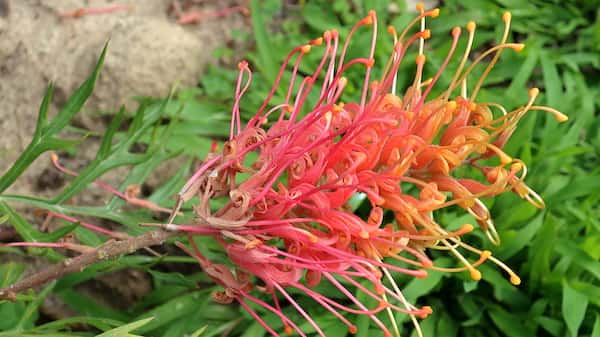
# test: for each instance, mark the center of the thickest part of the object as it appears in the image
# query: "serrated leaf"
(76, 101)
(44, 140)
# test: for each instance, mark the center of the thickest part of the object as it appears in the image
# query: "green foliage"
(555, 251)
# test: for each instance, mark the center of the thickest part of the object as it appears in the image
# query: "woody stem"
(109, 250)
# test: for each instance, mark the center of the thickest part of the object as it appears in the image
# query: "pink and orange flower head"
(288, 225)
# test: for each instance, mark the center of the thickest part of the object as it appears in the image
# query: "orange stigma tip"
(518, 46)
(455, 31)
(533, 92)
(435, 13)
(427, 264)
(318, 41)
(472, 106)
(364, 234)
(421, 59)
(516, 167)
(451, 105)
(342, 81)
(420, 7)
(422, 273)
(562, 118)
(305, 49)
(467, 228)
(471, 26)
(427, 309)
(515, 280)
(367, 20)
(506, 16)
(352, 329)
(426, 34)
(505, 159)
(370, 63)
(53, 156)
(475, 275)
(288, 330)
(327, 35)
(372, 13)
(486, 254)
(391, 30)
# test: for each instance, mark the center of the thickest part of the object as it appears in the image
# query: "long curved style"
(288, 225)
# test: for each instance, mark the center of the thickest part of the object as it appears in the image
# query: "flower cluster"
(288, 225)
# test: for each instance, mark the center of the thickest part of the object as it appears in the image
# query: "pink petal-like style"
(289, 224)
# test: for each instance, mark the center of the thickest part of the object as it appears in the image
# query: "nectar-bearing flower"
(287, 225)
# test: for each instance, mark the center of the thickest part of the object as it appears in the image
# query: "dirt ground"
(148, 52)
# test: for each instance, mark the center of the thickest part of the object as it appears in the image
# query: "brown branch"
(109, 250)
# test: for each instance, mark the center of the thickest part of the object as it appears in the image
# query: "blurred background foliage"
(556, 251)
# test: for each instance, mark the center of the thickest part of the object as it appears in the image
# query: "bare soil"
(148, 53)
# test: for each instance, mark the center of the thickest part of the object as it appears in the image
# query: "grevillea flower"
(287, 226)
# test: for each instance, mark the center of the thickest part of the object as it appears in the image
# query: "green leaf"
(515, 241)
(579, 186)
(44, 139)
(552, 80)
(67, 323)
(596, 329)
(27, 231)
(553, 326)
(10, 273)
(574, 306)
(173, 309)
(419, 287)
(106, 144)
(76, 101)
(254, 330)
(508, 323)
(172, 278)
(30, 315)
(362, 322)
(264, 46)
(200, 331)
(124, 331)
(86, 306)
(579, 257)
(43, 112)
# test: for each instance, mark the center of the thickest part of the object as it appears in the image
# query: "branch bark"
(108, 250)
